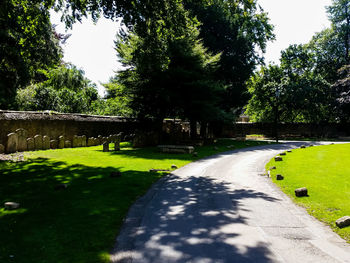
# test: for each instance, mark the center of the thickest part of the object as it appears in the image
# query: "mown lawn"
(325, 172)
(80, 223)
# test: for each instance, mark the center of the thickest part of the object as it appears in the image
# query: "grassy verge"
(325, 171)
(80, 223)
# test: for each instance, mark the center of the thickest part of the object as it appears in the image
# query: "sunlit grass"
(80, 223)
(325, 172)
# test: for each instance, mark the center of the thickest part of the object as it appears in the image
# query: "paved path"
(221, 209)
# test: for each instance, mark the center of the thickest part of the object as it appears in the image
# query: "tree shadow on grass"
(77, 224)
(193, 219)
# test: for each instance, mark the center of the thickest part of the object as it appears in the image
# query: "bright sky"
(91, 47)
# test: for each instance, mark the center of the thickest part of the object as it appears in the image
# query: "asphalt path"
(223, 209)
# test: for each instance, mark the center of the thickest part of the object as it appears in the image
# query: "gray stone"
(343, 222)
(106, 147)
(99, 138)
(67, 144)
(282, 154)
(173, 166)
(75, 142)
(30, 144)
(46, 142)
(12, 143)
(289, 151)
(61, 142)
(38, 142)
(175, 149)
(279, 177)
(53, 144)
(11, 205)
(2, 149)
(80, 141)
(83, 141)
(91, 141)
(302, 147)
(278, 159)
(22, 140)
(116, 146)
(300, 192)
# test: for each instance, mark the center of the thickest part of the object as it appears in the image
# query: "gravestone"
(117, 142)
(279, 177)
(67, 144)
(173, 166)
(75, 142)
(53, 144)
(281, 154)
(302, 147)
(12, 143)
(99, 138)
(300, 192)
(61, 142)
(91, 141)
(343, 222)
(2, 149)
(30, 144)
(80, 141)
(83, 141)
(22, 139)
(106, 147)
(38, 142)
(46, 142)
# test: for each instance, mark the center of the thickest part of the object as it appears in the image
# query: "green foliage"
(27, 44)
(65, 90)
(342, 93)
(325, 176)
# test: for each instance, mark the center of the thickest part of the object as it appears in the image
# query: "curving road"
(220, 209)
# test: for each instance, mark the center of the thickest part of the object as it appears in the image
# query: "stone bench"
(175, 149)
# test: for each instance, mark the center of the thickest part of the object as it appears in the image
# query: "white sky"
(91, 47)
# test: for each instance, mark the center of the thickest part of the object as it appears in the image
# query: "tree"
(339, 15)
(65, 90)
(27, 43)
(342, 93)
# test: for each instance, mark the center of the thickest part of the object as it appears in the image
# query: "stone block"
(303, 147)
(289, 151)
(67, 144)
(60, 142)
(83, 141)
(46, 142)
(38, 142)
(30, 144)
(2, 149)
(278, 159)
(22, 140)
(175, 149)
(80, 141)
(11, 205)
(12, 143)
(106, 147)
(283, 154)
(53, 144)
(173, 166)
(300, 192)
(75, 142)
(91, 141)
(279, 177)
(343, 222)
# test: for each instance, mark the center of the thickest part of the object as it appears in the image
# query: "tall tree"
(342, 93)
(27, 43)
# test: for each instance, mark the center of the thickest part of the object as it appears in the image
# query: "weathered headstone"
(61, 142)
(12, 143)
(75, 142)
(22, 139)
(302, 147)
(67, 144)
(278, 159)
(83, 141)
(53, 144)
(11, 205)
(2, 149)
(279, 177)
(173, 166)
(99, 138)
(282, 154)
(30, 144)
(91, 141)
(46, 142)
(106, 147)
(38, 142)
(343, 222)
(289, 151)
(80, 141)
(300, 192)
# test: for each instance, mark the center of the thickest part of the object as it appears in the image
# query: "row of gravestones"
(18, 141)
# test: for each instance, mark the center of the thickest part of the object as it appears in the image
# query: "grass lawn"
(80, 223)
(325, 172)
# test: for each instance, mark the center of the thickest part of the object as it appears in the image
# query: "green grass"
(325, 172)
(78, 224)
